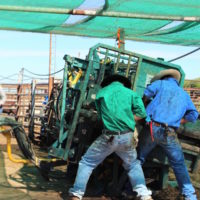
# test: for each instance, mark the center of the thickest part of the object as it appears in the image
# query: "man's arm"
(151, 91)
(138, 107)
(191, 114)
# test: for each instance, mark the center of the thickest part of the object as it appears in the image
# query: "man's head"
(167, 73)
(116, 77)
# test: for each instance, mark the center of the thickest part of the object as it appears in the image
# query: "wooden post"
(50, 47)
(51, 83)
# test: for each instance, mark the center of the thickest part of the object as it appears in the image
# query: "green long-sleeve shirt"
(117, 105)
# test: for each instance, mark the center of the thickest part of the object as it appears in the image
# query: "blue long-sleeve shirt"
(170, 103)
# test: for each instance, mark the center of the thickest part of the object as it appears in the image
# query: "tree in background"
(192, 83)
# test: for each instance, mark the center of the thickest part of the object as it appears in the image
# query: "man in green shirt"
(119, 108)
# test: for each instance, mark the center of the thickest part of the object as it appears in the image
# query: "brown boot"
(73, 198)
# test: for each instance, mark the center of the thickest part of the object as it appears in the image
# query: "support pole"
(50, 86)
(64, 93)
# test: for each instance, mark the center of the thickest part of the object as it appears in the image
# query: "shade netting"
(170, 22)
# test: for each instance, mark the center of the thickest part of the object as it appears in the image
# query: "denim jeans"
(169, 142)
(122, 145)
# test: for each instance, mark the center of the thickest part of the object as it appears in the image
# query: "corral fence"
(195, 96)
(26, 102)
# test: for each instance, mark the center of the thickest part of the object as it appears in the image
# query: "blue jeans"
(169, 142)
(122, 145)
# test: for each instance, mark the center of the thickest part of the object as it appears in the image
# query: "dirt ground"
(24, 182)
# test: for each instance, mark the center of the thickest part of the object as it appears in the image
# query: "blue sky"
(31, 51)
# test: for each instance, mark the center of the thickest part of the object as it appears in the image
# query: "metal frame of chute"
(56, 149)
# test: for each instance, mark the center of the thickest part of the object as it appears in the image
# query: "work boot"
(73, 198)
(148, 197)
(191, 197)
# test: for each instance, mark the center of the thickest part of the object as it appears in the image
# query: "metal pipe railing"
(96, 13)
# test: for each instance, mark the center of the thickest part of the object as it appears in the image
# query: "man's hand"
(136, 118)
(139, 120)
(183, 121)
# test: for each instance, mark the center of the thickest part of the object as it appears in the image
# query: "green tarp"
(170, 22)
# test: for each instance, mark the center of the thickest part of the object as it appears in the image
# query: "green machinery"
(75, 114)
(71, 124)
(78, 100)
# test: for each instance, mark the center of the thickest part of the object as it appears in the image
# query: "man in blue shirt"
(169, 107)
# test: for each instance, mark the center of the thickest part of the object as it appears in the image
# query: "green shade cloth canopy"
(169, 22)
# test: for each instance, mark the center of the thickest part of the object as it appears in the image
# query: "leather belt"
(162, 125)
(105, 131)
(159, 124)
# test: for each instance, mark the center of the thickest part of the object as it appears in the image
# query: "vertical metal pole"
(117, 64)
(32, 112)
(62, 117)
(102, 69)
(79, 104)
(22, 103)
(54, 54)
(129, 65)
